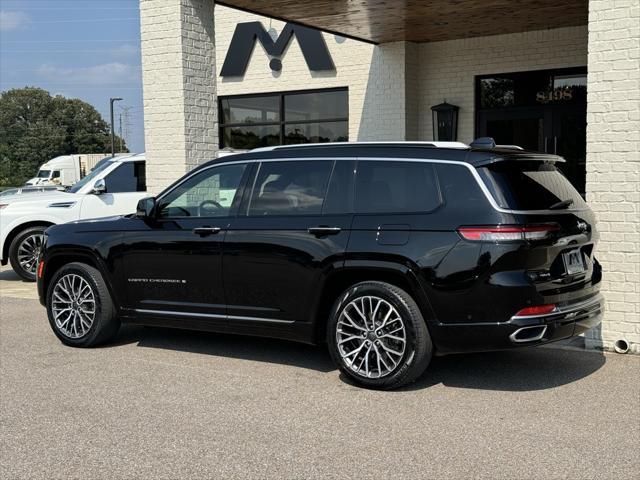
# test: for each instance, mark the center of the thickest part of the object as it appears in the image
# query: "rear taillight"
(537, 310)
(507, 233)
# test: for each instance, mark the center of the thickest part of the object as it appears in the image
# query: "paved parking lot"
(172, 404)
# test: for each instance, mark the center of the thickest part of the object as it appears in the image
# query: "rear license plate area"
(573, 262)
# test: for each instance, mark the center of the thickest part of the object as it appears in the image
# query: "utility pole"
(113, 146)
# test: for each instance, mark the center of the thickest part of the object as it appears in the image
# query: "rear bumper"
(565, 321)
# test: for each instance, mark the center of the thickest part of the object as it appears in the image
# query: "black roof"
(473, 156)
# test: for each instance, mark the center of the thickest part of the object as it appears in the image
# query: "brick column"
(613, 162)
(179, 83)
(390, 110)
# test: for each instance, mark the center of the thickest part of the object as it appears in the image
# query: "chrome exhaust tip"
(528, 334)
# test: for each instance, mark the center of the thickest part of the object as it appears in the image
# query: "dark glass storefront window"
(530, 89)
(252, 121)
(250, 136)
(543, 110)
(316, 132)
(250, 109)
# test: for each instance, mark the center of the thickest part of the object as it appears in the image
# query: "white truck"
(66, 170)
(112, 188)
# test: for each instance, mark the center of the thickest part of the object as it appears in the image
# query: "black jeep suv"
(388, 252)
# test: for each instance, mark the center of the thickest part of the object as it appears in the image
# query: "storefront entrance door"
(543, 111)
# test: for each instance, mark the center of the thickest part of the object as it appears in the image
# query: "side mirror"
(146, 207)
(99, 187)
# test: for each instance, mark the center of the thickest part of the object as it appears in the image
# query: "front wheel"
(377, 336)
(24, 251)
(80, 310)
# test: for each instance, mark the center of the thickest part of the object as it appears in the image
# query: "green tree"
(36, 127)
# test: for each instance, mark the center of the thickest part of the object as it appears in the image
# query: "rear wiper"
(561, 205)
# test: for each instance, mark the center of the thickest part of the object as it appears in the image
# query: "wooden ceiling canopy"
(382, 21)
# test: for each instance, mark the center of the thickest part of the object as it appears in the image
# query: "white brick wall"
(379, 108)
(178, 62)
(613, 162)
(448, 69)
(352, 59)
(386, 109)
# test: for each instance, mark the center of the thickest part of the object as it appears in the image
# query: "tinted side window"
(209, 193)
(396, 187)
(459, 188)
(141, 176)
(340, 192)
(290, 188)
(127, 177)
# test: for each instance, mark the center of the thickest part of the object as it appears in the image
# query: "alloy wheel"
(28, 252)
(73, 305)
(371, 337)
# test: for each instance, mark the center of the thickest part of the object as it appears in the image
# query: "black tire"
(105, 323)
(28, 275)
(418, 348)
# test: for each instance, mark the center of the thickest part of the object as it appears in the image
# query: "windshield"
(44, 174)
(10, 191)
(94, 173)
(521, 185)
(101, 162)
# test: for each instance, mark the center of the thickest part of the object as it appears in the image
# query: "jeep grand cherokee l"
(388, 252)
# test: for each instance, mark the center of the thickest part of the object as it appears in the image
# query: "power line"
(121, 86)
(88, 40)
(110, 50)
(29, 9)
(125, 125)
(85, 20)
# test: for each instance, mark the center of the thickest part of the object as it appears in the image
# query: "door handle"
(324, 231)
(555, 145)
(204, 231)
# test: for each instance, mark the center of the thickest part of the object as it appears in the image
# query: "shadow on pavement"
(9, 275)
(521, 370)
(227, 345)
(526, 369)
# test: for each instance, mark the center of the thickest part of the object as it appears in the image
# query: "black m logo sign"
(312, 44)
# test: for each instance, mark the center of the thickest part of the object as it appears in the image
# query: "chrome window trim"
(468, 166)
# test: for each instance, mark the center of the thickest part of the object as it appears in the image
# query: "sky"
(87, 49)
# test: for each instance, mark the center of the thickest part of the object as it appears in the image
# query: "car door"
(173, 261)
(291, 233)
(126, 184)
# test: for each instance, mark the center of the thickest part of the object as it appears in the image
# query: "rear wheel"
(80, 310)
(378, 337)
(24, 251)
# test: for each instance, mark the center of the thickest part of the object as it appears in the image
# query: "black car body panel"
(276, 275)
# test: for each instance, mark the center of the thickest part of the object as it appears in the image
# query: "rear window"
(520, 185)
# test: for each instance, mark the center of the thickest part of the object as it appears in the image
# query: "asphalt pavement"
(160, 403)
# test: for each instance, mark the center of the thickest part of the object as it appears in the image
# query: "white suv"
(112, 188)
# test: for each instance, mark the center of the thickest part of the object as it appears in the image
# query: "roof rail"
(483, 142)
(490, 143)
(457, 145)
